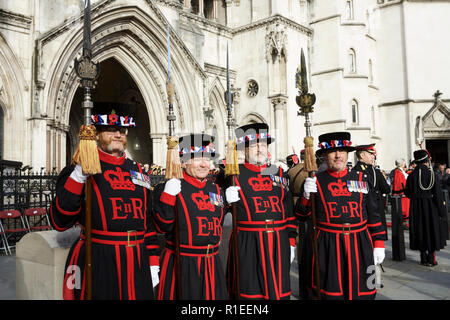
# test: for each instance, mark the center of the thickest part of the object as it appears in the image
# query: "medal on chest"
(357, 186)
(140, 179)
(279, 181)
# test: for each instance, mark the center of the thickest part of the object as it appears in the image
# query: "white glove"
(154, 270)
(173, 186)
(309, 186)
(232, 194)
(78, 176)
(292, 253)
(378, 255)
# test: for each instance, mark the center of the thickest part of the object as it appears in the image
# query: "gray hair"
(399, 162)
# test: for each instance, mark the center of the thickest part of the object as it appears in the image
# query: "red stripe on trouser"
(263, 264)
(68, 294)
(272, 266)
(207, 275)
(210, 284)
(119, 270)
(130, 273)
(279, 264)
(338, 253)
(163, 275)
(349, 260)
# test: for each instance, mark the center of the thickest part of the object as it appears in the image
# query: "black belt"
(186, 250)
(129, 238)
(344, 228)
(268, 225)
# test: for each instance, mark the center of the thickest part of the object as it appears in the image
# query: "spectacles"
(114, 129)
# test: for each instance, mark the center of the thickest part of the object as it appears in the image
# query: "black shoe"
(423, 258)
(431, 259)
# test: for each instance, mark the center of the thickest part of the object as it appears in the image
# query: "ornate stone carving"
(276, 40)
(252, 88)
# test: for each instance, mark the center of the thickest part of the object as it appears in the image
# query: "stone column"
(159, 146)
(187, 5)
(215, 8)
(279, 103)
(38, 142)
(201, 8)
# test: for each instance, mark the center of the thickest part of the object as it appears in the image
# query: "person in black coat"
(367, 155)
(427, 232)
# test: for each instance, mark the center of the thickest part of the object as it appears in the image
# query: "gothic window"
(351, 61)
(208, 9)
(355, 113)
(195, 6)
(252, 88)
(349, 10)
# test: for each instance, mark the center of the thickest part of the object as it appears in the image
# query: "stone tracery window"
(252, 88)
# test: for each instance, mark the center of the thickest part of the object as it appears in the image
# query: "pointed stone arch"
(252, 117)
(137, 40)
(216, 120)
(12, 81)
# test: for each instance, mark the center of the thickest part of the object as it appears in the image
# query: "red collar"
(339, 174)
(254, 167)
(108, 158)
(194, 181)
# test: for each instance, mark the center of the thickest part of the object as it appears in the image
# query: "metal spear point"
(306, 101)
(228, 96)
(85, 68)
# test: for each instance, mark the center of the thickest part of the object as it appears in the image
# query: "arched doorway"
(115, 84)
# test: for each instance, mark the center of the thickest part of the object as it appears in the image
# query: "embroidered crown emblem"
(338, 189)
(201, 200)
(117, 179)
(261, 184)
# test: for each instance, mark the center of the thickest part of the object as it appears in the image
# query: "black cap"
(196, 145)
(113, 114)
(421, 156)
(334, 140)
(254, 132)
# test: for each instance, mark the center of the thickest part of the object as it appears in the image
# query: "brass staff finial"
(304, 100)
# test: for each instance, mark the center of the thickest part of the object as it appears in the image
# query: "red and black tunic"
(200, 211)
(349, 227)
(398, 188)
(266, 230)
(124, 242)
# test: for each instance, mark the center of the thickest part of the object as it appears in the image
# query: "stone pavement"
(408, 280)
(402, 280)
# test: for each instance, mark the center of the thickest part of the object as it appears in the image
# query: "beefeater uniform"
(124, 242)
(349, 227)
(201, 212)
(427, 227)
(266, 228)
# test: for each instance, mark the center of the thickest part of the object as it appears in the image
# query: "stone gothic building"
(375, 66)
